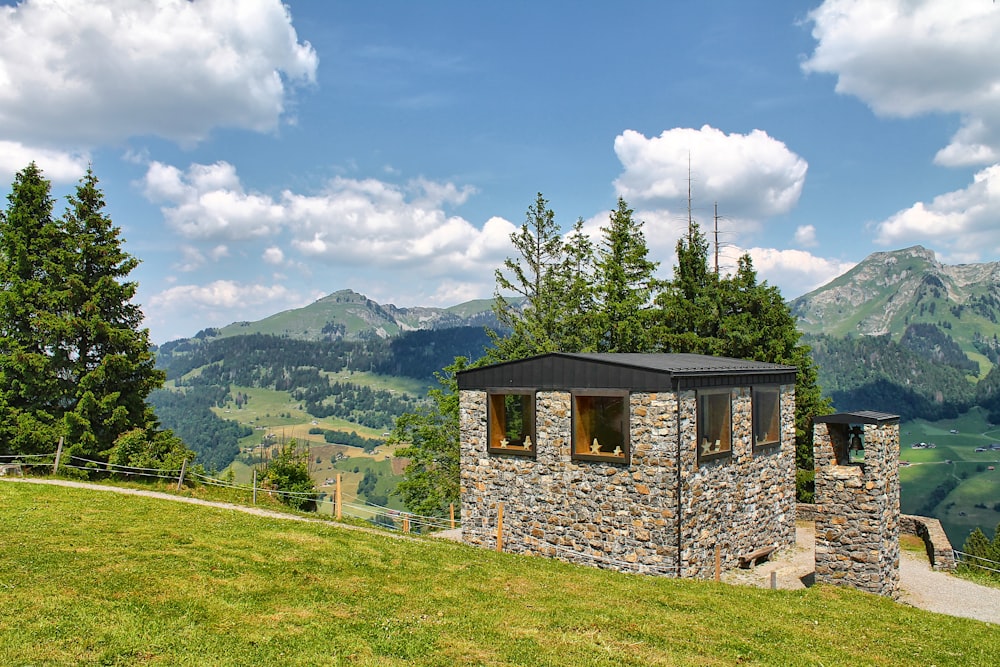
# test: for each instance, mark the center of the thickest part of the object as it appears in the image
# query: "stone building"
(675, 464)
(857, 500)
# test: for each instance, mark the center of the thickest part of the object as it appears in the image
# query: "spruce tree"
(107, 367)
(30, 277)
(73, 359)
(625, 285)
(532, 315)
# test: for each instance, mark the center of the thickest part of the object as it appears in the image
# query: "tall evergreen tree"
(73, 360)
(30, 275)
(532, 316)
(624, 285)
(106, 364)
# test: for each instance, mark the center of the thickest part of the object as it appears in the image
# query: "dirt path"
(920, 586)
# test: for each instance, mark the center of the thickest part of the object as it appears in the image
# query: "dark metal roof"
(639, 372)
(858, 417)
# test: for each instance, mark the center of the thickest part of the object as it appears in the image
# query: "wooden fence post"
(406, 524)
(340, 499)
(254, 486)
(718, 563)
(55, 467)
(451, 509)
(180, 480)
(499, 526)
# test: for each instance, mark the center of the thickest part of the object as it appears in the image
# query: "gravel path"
(793, 568)
(920, 586)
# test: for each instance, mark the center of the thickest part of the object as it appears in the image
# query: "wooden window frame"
(776, 442)
(493, 445)
(707, 394)
(625, 457)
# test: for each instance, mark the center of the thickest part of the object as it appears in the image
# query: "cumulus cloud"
(217, 303)
(906, 58)
(88, 72)
(963, 222)
(273, 255)
(794, 272)
(58, 166)
(756, 175)
(805, 235)
(351, 221)
(209, 202)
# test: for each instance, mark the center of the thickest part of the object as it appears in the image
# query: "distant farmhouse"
(675, 464)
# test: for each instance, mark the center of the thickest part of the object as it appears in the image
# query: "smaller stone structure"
(857, 497)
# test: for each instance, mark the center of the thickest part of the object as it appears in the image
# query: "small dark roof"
(858, 417)
(639, 372)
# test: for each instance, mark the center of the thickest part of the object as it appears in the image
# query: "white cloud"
(805, 235)
(794, 272)
(963, 223)
(58, 166)
(217, 303)
(88, 72)
(906, 58)
(208, 202)
(751, 175)
(274, 255)
(354, 222)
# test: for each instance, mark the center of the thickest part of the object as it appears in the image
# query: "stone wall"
(857, 525)
(630, 517)
(939, 550)
(742, 503)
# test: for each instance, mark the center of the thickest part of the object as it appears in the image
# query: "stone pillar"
(857, 524)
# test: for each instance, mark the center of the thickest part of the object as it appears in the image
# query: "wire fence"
(979, 562)
(351, 505)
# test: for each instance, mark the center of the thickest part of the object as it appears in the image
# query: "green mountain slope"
(888, 292)
(351, 316)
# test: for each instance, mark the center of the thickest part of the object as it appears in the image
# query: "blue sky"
(258, 156)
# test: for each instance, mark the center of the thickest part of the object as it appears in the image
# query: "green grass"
(90, 577)
(958, 512)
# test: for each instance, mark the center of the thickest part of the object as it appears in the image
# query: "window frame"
(625, 458)
(491, 423)
(770, 444)
(707, 394)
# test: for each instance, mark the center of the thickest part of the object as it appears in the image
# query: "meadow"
(976, 488)
(91, 577)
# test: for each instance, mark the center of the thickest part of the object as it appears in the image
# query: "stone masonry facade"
(663, 512)
(857, 523)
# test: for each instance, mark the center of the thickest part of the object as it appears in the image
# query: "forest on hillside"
(915, 381)
(204, 369)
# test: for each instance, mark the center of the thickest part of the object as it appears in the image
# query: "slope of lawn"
(90, 577)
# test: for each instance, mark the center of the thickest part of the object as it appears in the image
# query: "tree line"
(567, 293)
(75, 362)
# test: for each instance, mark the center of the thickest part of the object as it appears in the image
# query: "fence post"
(55, 467)
(451, 509)
(406, 524)
(499, 526)
(180, 480)
(254, 486)
(718, 562)
(340, 498)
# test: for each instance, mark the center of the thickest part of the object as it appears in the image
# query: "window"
(511, 423)
(766, 416)
(600, 427)
(714, 424)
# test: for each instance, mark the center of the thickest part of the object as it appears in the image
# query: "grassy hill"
(90, 577)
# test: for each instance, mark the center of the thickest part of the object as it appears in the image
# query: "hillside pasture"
(90, 577)
(975, 484)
